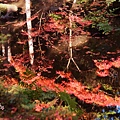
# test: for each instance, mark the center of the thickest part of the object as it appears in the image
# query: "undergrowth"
(42, 104)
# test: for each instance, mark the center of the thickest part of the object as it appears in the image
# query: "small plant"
(56, 17)
(40, 95)
(105, 27)
(70, 102)
(99, 21)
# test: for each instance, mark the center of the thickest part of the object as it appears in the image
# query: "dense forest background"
(59, 59)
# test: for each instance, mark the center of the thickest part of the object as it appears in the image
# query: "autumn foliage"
(104, 66)
(49, 33)
(72, 87)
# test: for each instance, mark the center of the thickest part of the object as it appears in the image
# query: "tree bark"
(29, 26)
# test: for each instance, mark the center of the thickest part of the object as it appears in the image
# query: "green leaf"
(56, 17)
(69, 101)
(105, 27)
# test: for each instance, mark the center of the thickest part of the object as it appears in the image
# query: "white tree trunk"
(9, 53)
(29, 26)
(3, 50)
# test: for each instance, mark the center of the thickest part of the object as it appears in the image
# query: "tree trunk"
(29, 26)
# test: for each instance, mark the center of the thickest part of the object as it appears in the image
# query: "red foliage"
(54, 25)
(40, 106)
(80, 91)
(18, 66)
(76, 88)
(102, 73)
(71, 87)
(10, 81)
(104, 66)
(58, 25)
(61, 13)
(13, 110)
(116, 63)
(63, 74)
(33, 33)
(81, 21)
(97, 88)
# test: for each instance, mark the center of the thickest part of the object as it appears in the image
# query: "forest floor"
(88, 90)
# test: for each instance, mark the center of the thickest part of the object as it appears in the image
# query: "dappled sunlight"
(75, 70)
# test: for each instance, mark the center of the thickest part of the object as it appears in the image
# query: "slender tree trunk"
(70, 41)
(29, 26)
(3, 50)
(9, 51)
